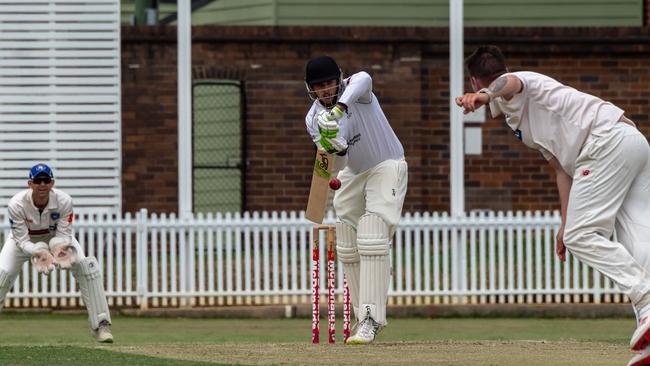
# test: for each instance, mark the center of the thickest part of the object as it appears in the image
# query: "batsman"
(346, 119)
(41, 232)
(602, 166)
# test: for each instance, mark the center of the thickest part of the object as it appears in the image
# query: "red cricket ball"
(335, 184)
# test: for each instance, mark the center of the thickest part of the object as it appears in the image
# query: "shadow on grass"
(71, 355)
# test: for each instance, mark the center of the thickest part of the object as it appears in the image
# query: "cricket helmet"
(319, 69)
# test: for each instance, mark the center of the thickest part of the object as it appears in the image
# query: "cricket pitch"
(447, 353)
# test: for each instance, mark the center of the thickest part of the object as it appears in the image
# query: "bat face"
(319, 190)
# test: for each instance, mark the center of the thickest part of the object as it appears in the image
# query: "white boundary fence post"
(141, 245)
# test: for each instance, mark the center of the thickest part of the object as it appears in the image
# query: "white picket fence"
(261, 258)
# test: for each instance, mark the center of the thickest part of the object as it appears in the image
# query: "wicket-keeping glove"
(63, 251)
(42, 259)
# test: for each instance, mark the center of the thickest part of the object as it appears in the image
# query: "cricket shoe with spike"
(641, 359)
(103, 333)
(641, 336)
(365, 332)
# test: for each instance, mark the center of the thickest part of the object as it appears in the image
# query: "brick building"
(410, 71)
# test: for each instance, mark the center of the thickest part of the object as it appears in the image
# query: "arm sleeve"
(546, 154)
(64, 223)
(358, 89)
(530, 88)
(525, 79)
(497, 104)
(313, 134)
(19, 230)
(312, 128)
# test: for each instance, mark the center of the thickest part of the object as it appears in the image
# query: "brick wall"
(149, 140)
(410, 71)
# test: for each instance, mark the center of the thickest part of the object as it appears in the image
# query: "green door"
(218, 167)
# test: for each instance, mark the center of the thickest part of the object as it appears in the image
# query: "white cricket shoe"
(641, 359)
(103, 333)
(641, 336)
(365, 332)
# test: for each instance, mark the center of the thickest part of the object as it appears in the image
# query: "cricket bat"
(319, 191)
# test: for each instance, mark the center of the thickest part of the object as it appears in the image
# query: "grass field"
(64, 339)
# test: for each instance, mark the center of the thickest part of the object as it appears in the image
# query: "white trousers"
(379, 190)
(378, 193)
(611, 190)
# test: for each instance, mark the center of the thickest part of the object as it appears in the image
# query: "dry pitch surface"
(502, 353)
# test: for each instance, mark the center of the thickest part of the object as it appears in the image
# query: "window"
(218, 148)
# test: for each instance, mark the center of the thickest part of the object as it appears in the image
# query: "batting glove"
(328, 122)
(333, 145)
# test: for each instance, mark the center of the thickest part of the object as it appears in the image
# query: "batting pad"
(6, 281)
(374, 246)
(91, 286)
(346, 249)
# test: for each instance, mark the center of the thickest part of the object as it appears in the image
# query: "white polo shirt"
(370, 138)
(554, 118)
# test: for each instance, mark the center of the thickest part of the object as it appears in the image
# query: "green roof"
(533, 13)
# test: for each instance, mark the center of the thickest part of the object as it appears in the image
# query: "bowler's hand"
(560, 249)
(472, 101)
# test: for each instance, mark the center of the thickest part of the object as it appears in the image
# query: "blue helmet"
(40, 170)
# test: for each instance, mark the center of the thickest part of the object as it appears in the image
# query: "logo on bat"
(321, 166)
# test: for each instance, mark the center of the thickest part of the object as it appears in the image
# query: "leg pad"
(346, 250)
(6, 282)
(374, 249)
(91, 286)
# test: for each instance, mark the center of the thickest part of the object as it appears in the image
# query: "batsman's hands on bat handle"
(332, 145)
(42, 259)
(328, 121)
(472, 101)
(560, 249)
(65, 254)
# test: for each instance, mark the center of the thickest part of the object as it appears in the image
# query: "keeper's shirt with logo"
(30, 224)
(370, 138)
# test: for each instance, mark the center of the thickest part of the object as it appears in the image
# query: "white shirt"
(554, 118)
(29, 224)
(370, 138)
